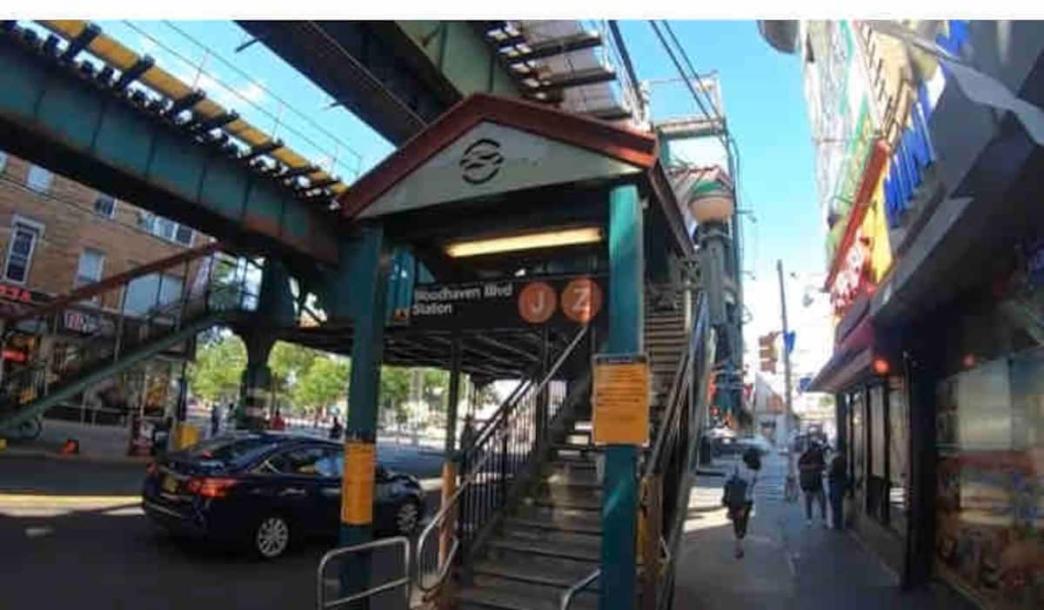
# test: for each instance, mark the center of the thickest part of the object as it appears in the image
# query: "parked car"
(267, 491)
(760, 443)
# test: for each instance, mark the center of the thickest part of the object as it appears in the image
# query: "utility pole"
(786, 355)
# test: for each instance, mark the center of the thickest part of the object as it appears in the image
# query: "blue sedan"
(266, 491)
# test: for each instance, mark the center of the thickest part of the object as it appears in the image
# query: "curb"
(18, 452)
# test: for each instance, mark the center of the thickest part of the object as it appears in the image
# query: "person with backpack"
(739, 495)
(811, 464)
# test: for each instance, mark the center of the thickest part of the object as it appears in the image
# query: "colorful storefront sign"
(913, 152)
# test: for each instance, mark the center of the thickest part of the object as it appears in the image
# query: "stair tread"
(546, 513)
(542, 570)
(505, 594)
(562, 502)
(566, 524)
(555, 538)
(547, 549)
(572, 479)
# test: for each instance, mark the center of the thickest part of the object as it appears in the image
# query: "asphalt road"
(72, 534)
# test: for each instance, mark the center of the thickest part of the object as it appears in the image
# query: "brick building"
(57, 235)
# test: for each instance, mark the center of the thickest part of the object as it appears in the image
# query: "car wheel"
(271, 536)
(407, 518)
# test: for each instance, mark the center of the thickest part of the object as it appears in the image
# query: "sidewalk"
(788, 565)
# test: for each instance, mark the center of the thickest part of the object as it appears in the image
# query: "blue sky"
(762, 97)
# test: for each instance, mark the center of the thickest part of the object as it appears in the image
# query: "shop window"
(898, 454)
(989, 529)
(105, 205)
(858, 441)
(877, 481)
(39, 179)
(20, 249)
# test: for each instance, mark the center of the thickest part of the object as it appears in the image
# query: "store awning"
(852, 360)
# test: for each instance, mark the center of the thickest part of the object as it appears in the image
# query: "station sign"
(508, 303)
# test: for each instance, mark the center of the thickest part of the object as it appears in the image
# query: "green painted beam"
(52, 116)
(459, 53)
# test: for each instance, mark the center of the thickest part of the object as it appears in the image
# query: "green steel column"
(626, 318)
(454, 398)
(275, 308)
(365, 269)
(256, 383)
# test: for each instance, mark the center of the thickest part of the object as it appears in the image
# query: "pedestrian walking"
(215, 419)
(738, 497)
(790, 486)
(837, 481)
(467, 435)
(278, 423)
(336, 430)
(811, 466)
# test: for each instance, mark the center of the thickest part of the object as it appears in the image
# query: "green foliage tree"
(288, 363)
(395, 390)
(325, 381)
(219, 365)
(436, 388)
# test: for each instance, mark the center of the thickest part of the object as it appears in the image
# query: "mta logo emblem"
(481, 161)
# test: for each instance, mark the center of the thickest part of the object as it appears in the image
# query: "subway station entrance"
(510, 241)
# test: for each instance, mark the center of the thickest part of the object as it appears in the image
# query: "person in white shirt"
(739, 508)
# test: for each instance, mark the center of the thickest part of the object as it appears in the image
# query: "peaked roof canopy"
(624, 147)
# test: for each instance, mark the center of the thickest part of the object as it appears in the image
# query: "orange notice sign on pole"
(621, 399)
(357, 485)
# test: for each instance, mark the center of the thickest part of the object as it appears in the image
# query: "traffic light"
(767, 352)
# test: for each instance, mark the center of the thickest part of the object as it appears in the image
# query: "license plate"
(170, 484)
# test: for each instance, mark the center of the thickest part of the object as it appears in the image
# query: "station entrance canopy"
(496, 218)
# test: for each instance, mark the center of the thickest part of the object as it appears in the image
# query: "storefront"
(874, 421)
(989, 444)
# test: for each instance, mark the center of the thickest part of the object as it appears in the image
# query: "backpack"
(735, 495)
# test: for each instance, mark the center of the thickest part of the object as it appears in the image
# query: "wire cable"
(318, 148)
(267, 91)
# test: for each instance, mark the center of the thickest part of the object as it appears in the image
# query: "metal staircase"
(215, 287)
(539, 546)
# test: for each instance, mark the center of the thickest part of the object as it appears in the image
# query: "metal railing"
(322, 603)
(567, 596)
(502, 449)
(94, 326)
(671, 462)
(666, 474)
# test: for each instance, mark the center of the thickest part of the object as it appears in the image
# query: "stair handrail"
(566, 599)
(469, 478)
(674, 400)
(92, 290)
(167, 315)
(680, 398)
(680, 513)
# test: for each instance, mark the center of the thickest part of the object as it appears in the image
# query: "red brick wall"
(70, 226)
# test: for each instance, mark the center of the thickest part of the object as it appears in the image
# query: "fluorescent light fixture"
(527, 241)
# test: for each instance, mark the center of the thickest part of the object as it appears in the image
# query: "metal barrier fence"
(336, 555)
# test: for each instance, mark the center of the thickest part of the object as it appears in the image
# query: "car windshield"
(227, 449)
